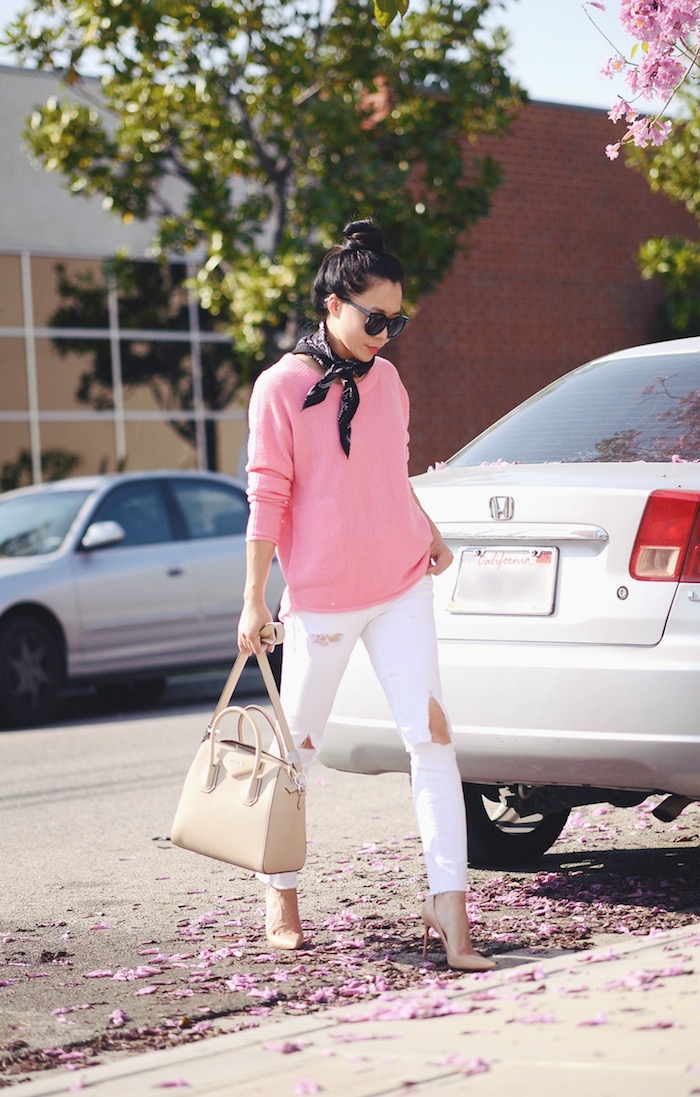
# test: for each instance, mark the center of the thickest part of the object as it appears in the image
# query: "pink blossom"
(666, 30)
(618, 110)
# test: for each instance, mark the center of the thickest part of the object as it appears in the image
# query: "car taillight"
(667, 546)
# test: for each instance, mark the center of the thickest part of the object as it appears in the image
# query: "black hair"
(350, 268)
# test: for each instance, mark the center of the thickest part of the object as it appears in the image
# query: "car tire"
(31, 671)
(498, 837)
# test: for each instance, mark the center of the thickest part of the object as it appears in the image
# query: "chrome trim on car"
(523, 531)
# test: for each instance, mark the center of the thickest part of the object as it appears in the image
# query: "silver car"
(569, 623)
(118, 579)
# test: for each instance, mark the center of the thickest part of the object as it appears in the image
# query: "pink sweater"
(348, 531)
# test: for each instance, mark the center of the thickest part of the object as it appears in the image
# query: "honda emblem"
(502, 507)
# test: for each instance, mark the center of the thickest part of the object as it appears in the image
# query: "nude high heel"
(285, 909)
(461, 961)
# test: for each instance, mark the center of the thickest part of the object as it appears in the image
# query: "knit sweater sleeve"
(270, 465)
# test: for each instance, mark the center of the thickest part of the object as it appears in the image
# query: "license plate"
(502, 579)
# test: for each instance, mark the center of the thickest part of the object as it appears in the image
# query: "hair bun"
(363, 234)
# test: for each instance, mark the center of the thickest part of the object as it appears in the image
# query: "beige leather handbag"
(244, 799)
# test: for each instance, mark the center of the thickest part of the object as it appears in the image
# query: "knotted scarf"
(335, 368)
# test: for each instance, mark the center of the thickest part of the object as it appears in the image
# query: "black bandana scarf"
(343, 369)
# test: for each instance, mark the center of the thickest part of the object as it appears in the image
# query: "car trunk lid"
(542, 552)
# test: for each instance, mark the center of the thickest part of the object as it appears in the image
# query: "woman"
(329, 490)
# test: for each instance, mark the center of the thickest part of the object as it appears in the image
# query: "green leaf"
(385, 11)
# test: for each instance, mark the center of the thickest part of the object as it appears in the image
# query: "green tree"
(674, 169)
(251, 130)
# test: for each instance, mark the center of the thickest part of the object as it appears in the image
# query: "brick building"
(549, 281)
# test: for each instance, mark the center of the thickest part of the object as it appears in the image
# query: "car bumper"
(606, 716)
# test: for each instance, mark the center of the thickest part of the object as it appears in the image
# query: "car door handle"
(174, 573)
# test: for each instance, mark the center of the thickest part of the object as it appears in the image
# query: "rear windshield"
(636, 409)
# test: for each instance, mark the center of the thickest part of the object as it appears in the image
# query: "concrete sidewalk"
(622, 1021)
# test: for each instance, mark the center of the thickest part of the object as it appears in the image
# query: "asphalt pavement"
(618, 1021)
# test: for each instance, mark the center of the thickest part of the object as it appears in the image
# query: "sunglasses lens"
(395, 326)
(376, 322)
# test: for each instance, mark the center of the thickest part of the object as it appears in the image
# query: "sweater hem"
(287, 607)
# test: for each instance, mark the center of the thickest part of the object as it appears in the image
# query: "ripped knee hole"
(325, 639)
(437, 722)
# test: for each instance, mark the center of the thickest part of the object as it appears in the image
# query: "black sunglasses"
(377, 321)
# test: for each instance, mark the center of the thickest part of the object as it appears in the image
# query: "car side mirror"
(102, 534)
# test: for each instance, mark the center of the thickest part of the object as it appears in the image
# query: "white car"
(569, 622)
(118, 580)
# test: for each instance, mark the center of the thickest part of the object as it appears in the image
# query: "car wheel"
(500, 838)
(31, 671)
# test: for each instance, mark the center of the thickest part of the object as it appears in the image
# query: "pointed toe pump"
(282, 924)
(459, 959)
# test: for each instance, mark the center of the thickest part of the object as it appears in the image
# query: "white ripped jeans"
(400, 639)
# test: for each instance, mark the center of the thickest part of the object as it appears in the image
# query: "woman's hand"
(440, 555)
(252, 621)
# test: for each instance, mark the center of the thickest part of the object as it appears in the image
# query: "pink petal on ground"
(306, 1085)
(176, 1083)
(97, 975)
(287, 1047)
(464, 1066)
(118, 1018)
(599, 1019)
(598, 957)
(531, 975)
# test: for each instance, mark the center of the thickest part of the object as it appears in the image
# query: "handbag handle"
(271, 633)
(244, 717)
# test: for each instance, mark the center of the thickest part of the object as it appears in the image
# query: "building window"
(110, 364)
